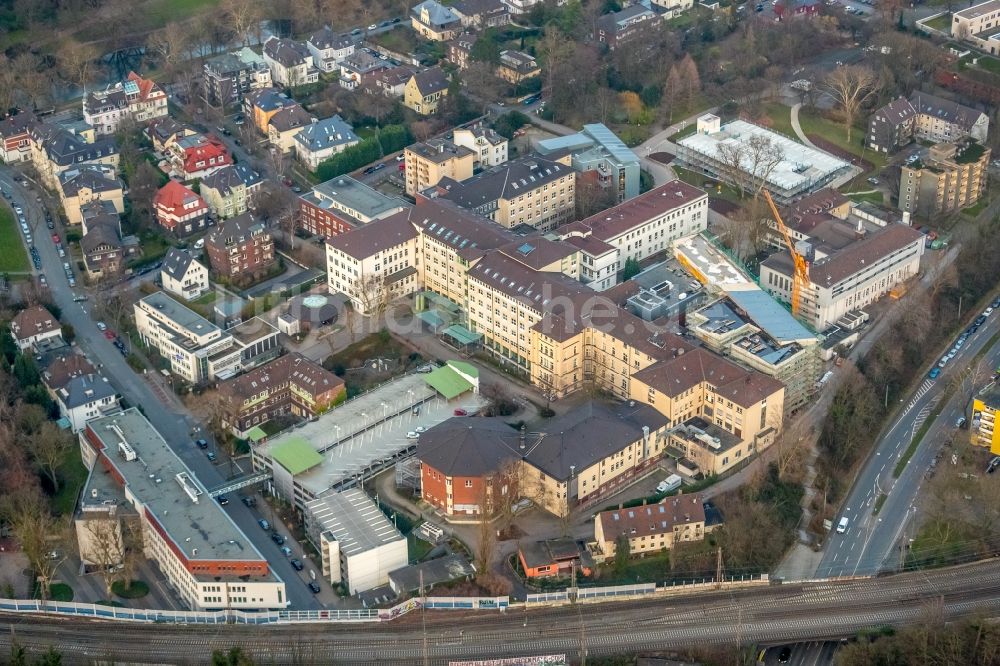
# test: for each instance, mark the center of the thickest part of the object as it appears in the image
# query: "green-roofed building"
(454, 379)
(296, 455)
(256, 434)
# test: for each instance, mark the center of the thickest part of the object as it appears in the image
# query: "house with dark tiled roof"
(231, 190)
(86, 397)
(135, 99)
(356, 66)
(179, 209)
(288, 385)
(164, 130)
(33, 325)
(15, 138)
(516, 66)
(183, 275)
(924, 117)
(389, 82)
(102, 247)
(627, 25)
(329, 48)
(260, 105)
(291, 62)
(481, 14)
(79, 186)
(322, 139)
(425, 89)
(228, 77)
(240, 248)
(285, 124)
(56, 148)
(576, 458)
(434, 21)
(460, 48)
(651, 528)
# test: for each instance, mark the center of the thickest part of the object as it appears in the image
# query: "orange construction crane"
(800, 275)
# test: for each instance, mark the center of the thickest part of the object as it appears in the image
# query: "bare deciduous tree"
(77, 61)
(48, 450)
(105, 547)
(42, 537)
(851, 86)
(749, 164)
(243, 17)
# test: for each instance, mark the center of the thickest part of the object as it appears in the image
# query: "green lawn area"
(208, 298)
(942, 23)
(687, 131)
(989, 64)
(648, 569)
(154, 246)
(401, 39)
(14, 258)
(60, 592)
(135, 590)
(976, 208)
(726, 192)
(72, 476)
(871, 197)
(418, 548)
(781, 121)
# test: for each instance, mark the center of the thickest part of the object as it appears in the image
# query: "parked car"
(313, 587)
(286, 551)
(101, 326)
(297, 565)
(461, 412)
(413, 435)
(420, 429)
(223, 500)
(373, 26)
(933, 374)
(211, 456)
(961, 422)
(264, 525)
(277, 538)
(201, 443)
(55, 238)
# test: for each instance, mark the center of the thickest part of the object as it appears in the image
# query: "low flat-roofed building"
(343, 203)
(652, 527)
(207, 560)
(358, 544)
(440, 570)
(753, 329)
(801, 170)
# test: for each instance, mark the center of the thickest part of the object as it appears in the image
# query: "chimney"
(906, 217)
(859, 232)
(440, 147)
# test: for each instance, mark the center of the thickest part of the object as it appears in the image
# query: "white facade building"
(85, 397)
(490, 148)
(183, 275)
(358, 544)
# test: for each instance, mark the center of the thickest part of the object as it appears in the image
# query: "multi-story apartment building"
(241, 247)
(197, 349)
(56, 148)
(135, 99)
(290, 384)
(490, 147)
(180, 209)
(984, 416)
(846, 276)
(199, 550)
(427, 163)
(950, 178)
(231, 191)
(653, 527)
(261, 105)
(228, 77)
(79, 186)
(481, 14)
(926, 118)
(636, 229)
(343, 203)
(329, 49)
(627, 25)
(529, 190)
(183, 275)
(290, 62)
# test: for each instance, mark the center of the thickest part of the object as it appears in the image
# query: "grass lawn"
(135, 590)
(976, 208)
(989, 64)
(208, 298)
(871, 197)
(687, 131)
(60, 592)
(72, 476)
(376, 345)
(648, 569)
(781, 121)
(690, 177)
(401, 39)
(942, 23)
(417, 548)
(14, 258)
(154, 246)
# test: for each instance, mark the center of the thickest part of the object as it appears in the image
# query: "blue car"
(934, 373)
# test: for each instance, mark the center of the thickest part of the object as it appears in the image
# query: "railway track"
(785, 612)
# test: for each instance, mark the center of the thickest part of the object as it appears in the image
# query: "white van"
(842, 526)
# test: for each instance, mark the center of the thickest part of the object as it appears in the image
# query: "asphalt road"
(768, 615)
(176, 426)
(870, 542)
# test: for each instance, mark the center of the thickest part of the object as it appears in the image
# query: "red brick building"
(240, 248)
(291, 384)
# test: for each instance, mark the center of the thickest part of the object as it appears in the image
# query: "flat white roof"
(711, 266)
(354, 520)
(800, 168)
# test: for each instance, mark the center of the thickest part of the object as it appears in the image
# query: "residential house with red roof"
(135, 99)
(180, 209)
(197, 156)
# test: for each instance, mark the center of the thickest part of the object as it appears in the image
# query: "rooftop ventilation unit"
(192, 490)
